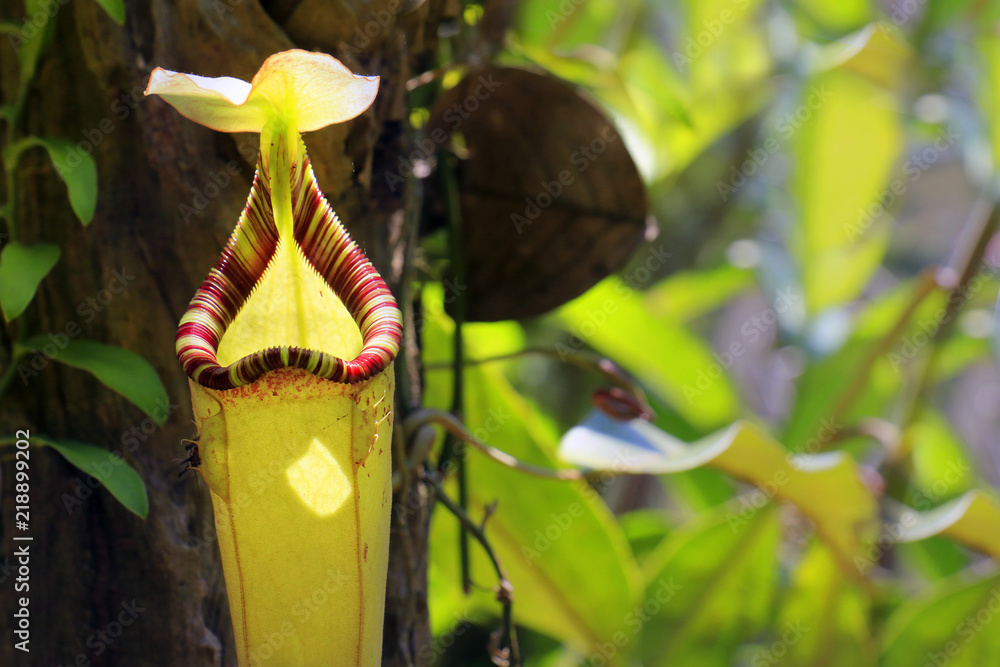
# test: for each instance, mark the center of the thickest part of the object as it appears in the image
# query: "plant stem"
(446, 163)
(408, 368)
(962, 267)
(927, 283)
(964, 264)
(11, 152)
(504, 589)
(585, 360)
(419, 444)
(458, 429)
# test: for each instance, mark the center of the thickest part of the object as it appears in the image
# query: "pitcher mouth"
(323, 243)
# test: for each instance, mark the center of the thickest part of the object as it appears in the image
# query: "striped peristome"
(330, 250)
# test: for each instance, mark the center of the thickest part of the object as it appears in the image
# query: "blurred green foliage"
(825, 180)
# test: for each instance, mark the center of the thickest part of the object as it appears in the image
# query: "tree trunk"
(107, 588)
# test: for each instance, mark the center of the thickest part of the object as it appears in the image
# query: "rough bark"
(152, 163)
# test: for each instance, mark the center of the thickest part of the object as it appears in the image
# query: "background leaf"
(988, 49)
(708, 565)
(836, 16)
(951, 624)
(827, 488)
(115, 9)
(670, 360)
(121, 370)
(118, 477)
(842, 115)
(941, 468)
(685, 296)
(551, 201)
(22, 268)
(824, 620)
(973, 520)
(31, 39)
(79, 171)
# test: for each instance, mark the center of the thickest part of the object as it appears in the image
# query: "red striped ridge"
(329, 249)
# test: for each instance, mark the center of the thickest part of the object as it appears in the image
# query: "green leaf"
(587, 23)
(79, 171)
(988, 49)
(933, 558)
(875, 53)
(668, 358)
(973, 520)
(109, 468)
(687, 295)
(953, 624)
(824, 619)
(821, 388)
(550, 535)
(941, 468)
(641, 71)
(941, 12)
(836, 15)
(693, 580)
(29, 42)
(115, 9)
(843, 115)
(644, 529)
(819, 391)
(880, 313)
(827, 488)
(701, 488)
(956, 354)
(121, 370)
(22, 268)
